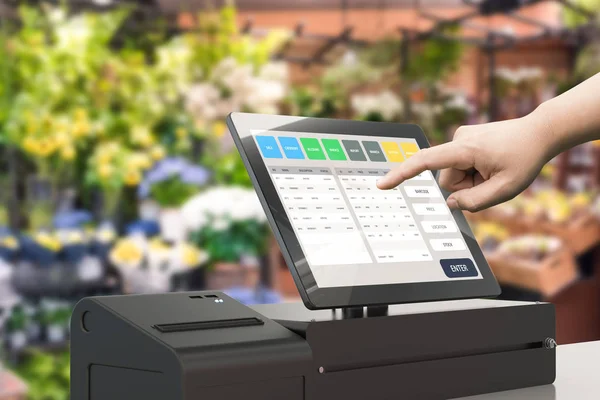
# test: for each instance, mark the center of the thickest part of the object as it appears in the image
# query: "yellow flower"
(81, 114)
(46, 146)
(157, 153)
(30, 145)
(81, 128)
(106, 235)
(62, 139)
(105, 170)
(581, 200)
(181, 133)
(126, 251)
(74, 237)
(158, 244)
(132, 177)
(139, 160)
(191, 255)
(31, 127)
(142, 136)
(68, 153)
(48, 241)
(104, 157)
(219, 128)
(10, 242)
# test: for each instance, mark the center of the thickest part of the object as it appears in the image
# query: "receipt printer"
(205, 345)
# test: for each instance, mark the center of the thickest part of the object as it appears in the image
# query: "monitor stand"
(359, 312)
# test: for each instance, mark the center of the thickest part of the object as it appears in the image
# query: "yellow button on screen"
(409, 149)
(392, 150)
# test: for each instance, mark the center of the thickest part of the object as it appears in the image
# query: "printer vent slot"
(203, 325)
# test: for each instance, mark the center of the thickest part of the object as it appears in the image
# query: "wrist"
(545, 130)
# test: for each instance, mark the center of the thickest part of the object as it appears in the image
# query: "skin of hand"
(485, 164)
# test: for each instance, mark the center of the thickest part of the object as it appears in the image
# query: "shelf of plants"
(119, 175)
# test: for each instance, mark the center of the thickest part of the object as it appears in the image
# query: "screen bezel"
(241, 125)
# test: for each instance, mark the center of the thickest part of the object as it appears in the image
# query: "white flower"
(220, 205)
(200, 101)
(275, 71)
(73, 35)
(385, 103)
(460, 102)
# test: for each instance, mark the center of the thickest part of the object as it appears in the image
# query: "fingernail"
(452, 203)
(381, 181)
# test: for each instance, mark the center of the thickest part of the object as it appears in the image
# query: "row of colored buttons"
(334, 150)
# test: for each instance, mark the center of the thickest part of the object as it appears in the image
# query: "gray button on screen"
(374, 151)
(354, 150)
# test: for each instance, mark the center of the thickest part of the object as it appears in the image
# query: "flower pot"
(56, 333)
(17, 340)
(74, 253)
(172, 225)
(225, 275)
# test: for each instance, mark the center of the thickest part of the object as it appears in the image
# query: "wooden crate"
(516, 224)
(580, 234)
(547, 276)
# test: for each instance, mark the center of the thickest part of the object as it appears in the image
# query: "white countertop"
(577, 377)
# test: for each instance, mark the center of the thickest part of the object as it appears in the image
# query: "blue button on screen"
(268, 147)
(291, 148)
(459, 268)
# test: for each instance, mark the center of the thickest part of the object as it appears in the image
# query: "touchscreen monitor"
(350, 233)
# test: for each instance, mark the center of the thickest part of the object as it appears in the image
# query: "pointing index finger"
(448, 155)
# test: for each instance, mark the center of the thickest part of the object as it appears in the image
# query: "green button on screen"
(334, 149)
(313, 149)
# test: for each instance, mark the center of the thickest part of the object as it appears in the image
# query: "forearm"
(570, 119)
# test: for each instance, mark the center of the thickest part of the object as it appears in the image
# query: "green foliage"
(47, 375)
(58, 316)
(218, 38)
(588, 61)
(238, 239)
(574, 19)
(229, 169)
(172, 192)
(324, 103)
(17, 321)
(434, 60)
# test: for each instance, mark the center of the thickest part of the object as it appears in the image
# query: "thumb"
(487, 194)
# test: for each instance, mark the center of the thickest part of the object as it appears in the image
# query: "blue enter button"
(459, 268)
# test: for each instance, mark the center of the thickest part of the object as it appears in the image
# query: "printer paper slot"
(203, 325)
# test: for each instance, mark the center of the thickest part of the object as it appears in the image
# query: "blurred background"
(118, 174)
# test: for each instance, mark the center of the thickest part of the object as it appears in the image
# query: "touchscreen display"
(352, 233)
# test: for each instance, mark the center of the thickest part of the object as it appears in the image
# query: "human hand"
(485, 164)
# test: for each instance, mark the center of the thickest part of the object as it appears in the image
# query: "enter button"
(459, 268)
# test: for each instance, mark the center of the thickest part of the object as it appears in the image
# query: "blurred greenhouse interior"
(118, 174)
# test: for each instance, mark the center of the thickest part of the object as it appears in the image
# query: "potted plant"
(42, 248)
(16, 328)
(56, 316)
(229, 223)
(171, 182)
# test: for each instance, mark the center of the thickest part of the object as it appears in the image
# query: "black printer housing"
(205, 345)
